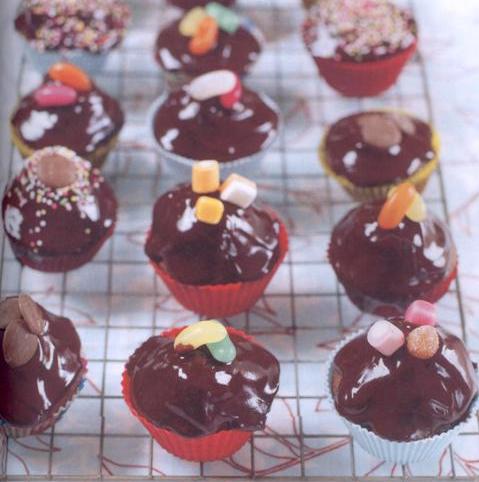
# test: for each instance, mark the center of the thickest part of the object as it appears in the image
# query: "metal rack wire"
(118, 302)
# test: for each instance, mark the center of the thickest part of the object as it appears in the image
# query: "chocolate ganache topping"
(402, 397)
(383, 270)
(242, 246)
(192, 394)
(40, 363)
(375, 148)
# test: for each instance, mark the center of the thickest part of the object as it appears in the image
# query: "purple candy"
(54, 95)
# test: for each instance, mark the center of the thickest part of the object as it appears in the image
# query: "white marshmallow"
(239, 190)
(212, 84)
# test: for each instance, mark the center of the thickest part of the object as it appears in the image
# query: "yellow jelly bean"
(191, 21)
(199, 334)
(418, 210)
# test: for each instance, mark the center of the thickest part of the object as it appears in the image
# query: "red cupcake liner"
(219, 301)
(199, 449)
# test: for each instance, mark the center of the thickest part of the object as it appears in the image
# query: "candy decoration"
(32, 314)
(212, 84)
(56, 171)
(19, 345)
(53, 95)
(396, 206)
(223, 351)
(9, 311)
(379, 131)
(190, 22)
(423, 342)
(239, 190)
(228, 20)
(199, 334)
(205, 177)
(418, 210)
(209, 210)
(385, 337)
(205, 38)
(421, 312)
(71, 75)
(229, 99)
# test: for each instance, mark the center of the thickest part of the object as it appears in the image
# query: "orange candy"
(205, 38)
(71, 75)
(396, 206)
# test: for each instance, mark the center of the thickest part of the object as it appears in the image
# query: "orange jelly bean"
(205, 38)
(396, 206)
(71, 75)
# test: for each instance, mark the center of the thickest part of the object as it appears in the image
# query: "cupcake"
(404, 387)
(370, 152)
(405, 253)
(212, 245)
(67, 109)
(201, 391)
(189, 4)
(205, 39)
(41, 368)
(214, 117)
(82, 31)
(58, 211)
(359, 46)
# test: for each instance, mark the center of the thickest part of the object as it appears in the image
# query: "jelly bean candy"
(212, 84)
(228, 20)
(71, 75)
(223, 351)
(53, 95)
(239, 190)
(229, 99)
(199, 334)
(423, 342)
(190, 22)
(385, 337)
(421, 312)
(379, 130)
(418, 210)
(205, 177)
(205, 38)
(209, 210)
(396, 206)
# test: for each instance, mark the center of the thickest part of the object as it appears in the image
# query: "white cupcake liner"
(388, 450)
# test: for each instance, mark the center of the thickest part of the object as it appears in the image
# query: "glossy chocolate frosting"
(244, 246)
(33, 392)
(193, 395)
(206, 130)
(90, 123)
(234, 51)
(189, 4)
(401, 397)
(350, 155)
(383, 271)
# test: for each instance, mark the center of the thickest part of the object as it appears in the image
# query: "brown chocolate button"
(379, 130)
(404, 122)
(9, 311)
(19, 345)
(56, 171)
(32, 314)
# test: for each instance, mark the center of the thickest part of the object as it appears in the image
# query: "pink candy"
(421, 312)
(53, 95)
(385, 337)
(229, 99)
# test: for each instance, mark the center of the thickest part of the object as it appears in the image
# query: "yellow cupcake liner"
(377, 193)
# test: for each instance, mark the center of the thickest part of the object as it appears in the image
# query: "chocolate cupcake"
(207, 39)
(58, 211)
(359, 46)
(41, 368)
(189, 4)
(83, 31)
(201, 391)
(67, 109)
(405, 253)
(405, 386)
(215, 248)
(370, 152)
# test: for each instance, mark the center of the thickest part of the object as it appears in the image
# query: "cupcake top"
(207, 233)
(189, 4)
(405, 379)
(94, 26)
(206, 39)
(405, 251)
(58, 204)
(203, 380)
(378, 147)
(358, 30)
(214, 117)
(67, 109)
(40, 363)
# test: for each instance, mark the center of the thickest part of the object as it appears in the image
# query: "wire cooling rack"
(117, 302)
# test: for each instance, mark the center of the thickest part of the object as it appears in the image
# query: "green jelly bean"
(227, 19)
(223, 351)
